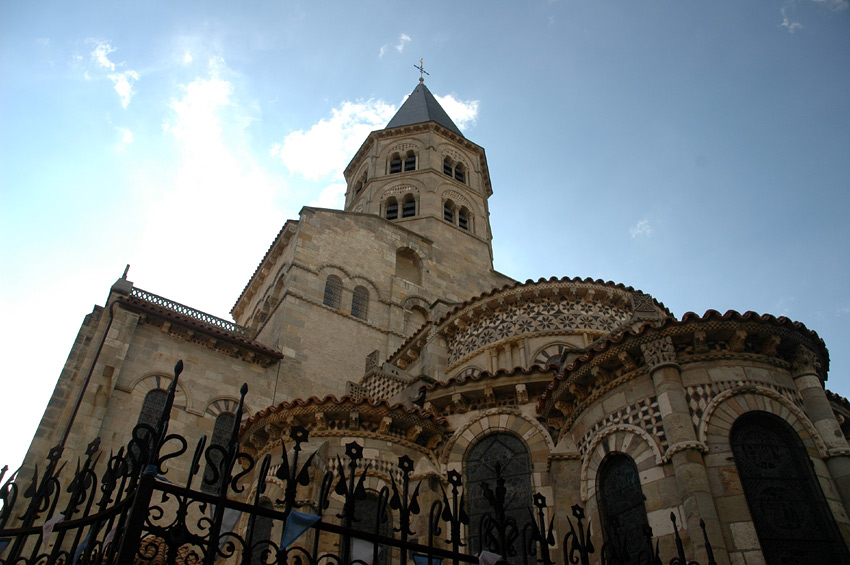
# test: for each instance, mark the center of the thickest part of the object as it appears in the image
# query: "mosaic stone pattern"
(644, 414)
(531, 318)
(699, 396)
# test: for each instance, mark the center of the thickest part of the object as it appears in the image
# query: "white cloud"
(126, 135)
(123, 83)
(403, 40)
(642, 228)
(187, 58)
(788, 24)
(100, 54)
(325, 149)
(209, 185)
(332, 196)
(463, 113)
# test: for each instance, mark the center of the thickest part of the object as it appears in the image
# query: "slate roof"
(420, 107)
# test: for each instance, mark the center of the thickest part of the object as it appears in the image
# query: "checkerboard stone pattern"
(642, 414)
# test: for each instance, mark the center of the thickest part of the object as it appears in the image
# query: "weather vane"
(422, 71)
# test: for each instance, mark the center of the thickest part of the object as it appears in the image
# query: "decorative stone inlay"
(457, 198)
(699, 396)
(403, 147)
(455, 155)
(525, 318)
(643, 303)
(659, 352)
(400, 189)
(643, 414)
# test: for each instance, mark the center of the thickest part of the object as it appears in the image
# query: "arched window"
(408, 265)
(360, 302)
(447, 166)
(449, 211)
(408, 208)
(262, 534)
(510, 454)
(463, 219)
(621, 501)
(366, 512)
(152, 407)
(460, 174)
(333, 291)
(410, 161)
(791, 516)
(360, 184)
(395, 164)
(220, 437)
(151, 412)
(392, 209)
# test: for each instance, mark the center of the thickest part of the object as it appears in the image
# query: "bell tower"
(423, 174)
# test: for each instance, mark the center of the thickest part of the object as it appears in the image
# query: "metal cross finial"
(422, 71)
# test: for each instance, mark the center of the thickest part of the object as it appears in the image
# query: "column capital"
(660, 353)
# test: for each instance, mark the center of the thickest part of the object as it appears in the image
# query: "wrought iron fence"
(133, 513)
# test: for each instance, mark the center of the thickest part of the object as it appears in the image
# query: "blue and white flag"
(296, 524)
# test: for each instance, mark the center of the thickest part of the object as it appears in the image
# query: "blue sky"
(694, 150)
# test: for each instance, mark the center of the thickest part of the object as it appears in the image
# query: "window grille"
(333, 292)
(221, 437)
(790, 514)
(392, 210)
(459, 174)
(508, 451)
(463, 219)
(360, 303)
(448, 213)
(395, 165)
(621, 499)
(408, 209)
(410, 162)
(447, 167)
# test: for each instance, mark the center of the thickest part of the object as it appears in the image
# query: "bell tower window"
(463, 219)
(460, 174)
(448, 211)
(455, 170)
(395, 164)
(410, 161)
(408, 207)
(392, 209)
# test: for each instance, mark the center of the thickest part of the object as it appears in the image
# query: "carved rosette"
(659, 353)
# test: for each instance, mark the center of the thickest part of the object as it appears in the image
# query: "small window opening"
(360, 302)
(395, 164)
(408, 208)
(447, 167)
(333, 292)
(460, 175)
(448, 212)
(410, 162)
(463, 219)
(392, 209)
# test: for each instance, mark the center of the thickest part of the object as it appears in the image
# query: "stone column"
(684, 450)
(820, 413)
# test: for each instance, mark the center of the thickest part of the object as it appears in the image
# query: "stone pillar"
(684, 450)
(820, 413)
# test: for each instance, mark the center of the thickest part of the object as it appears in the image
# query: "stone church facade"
(386, 323)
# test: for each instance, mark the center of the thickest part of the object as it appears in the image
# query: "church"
(387, 324)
